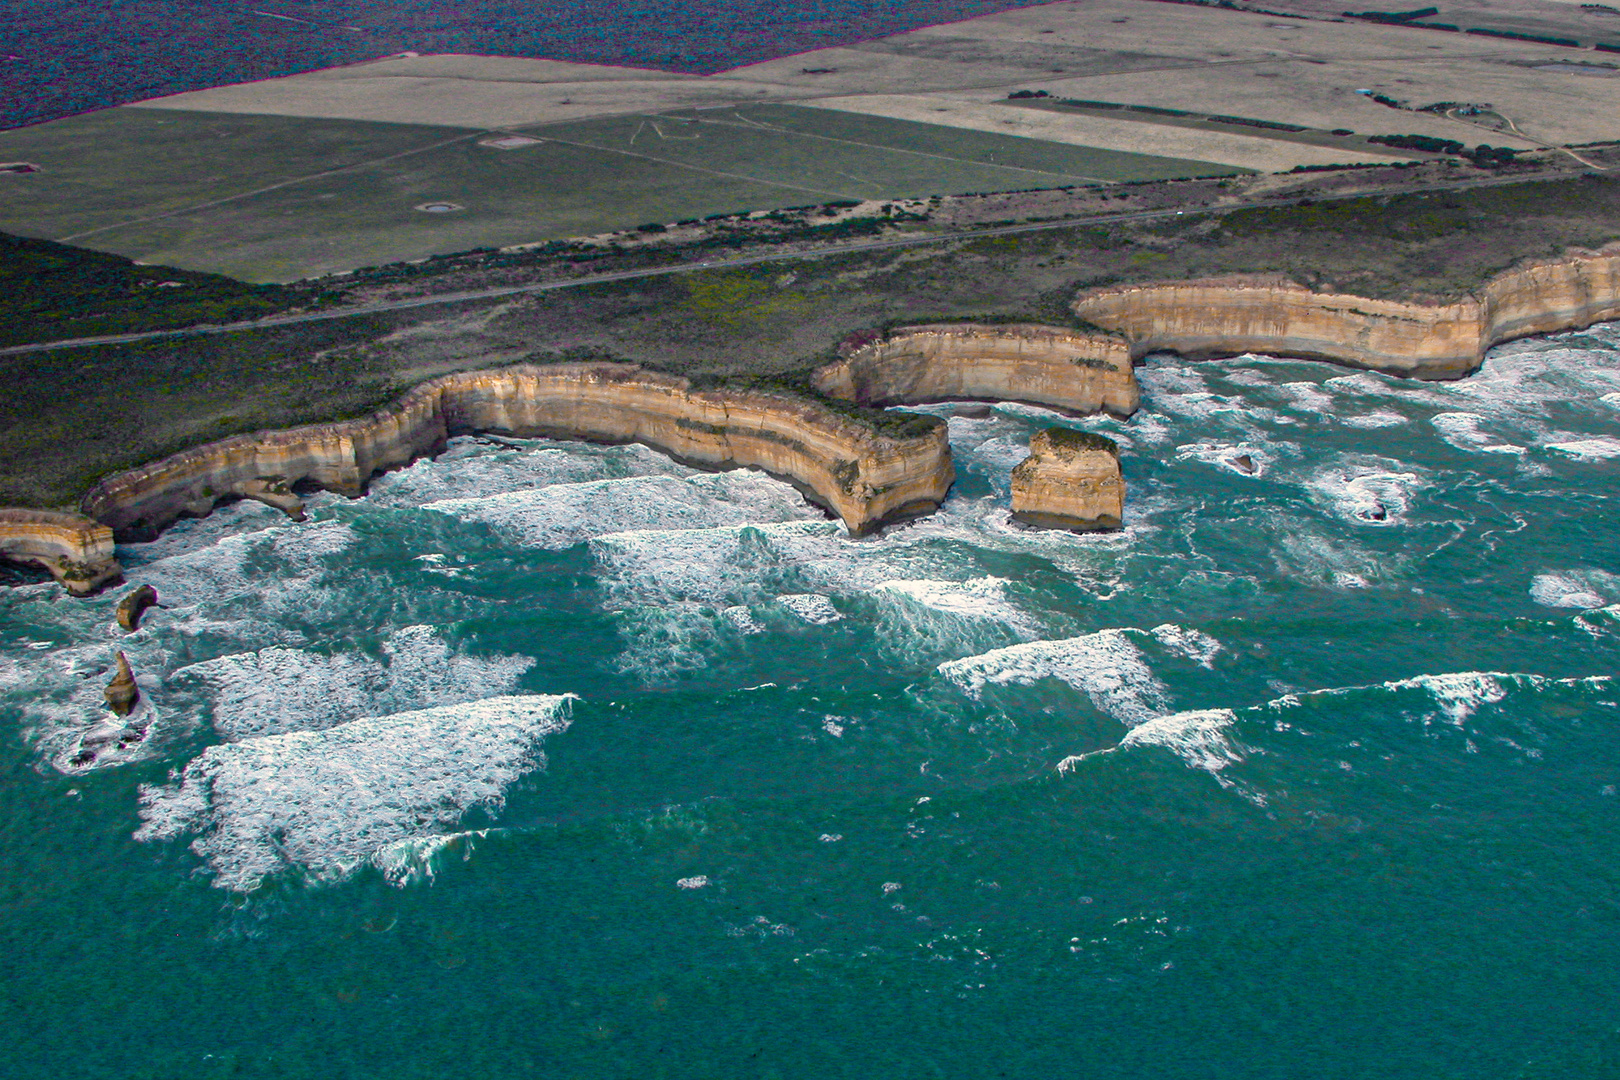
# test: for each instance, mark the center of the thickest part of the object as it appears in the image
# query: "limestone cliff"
(77, 551)
(865, 477)
(1203, 319)
(1071, 480)
(1042, 365)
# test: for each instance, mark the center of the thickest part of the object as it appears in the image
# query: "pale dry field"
(1307, 72)
(1303, 71)
(476, 92)
(1077, 129)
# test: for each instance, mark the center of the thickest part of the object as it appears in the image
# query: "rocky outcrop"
(864, 475)
(1071, 480)
(1043, 365)
(1205, 319)
(77, 551)
(133, 606)
(122, 693)
(274, 492)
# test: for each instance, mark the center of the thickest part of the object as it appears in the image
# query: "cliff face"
(1071, 480)
(1042, 365)
(863, 477)
(1204, 319)
(76, 550)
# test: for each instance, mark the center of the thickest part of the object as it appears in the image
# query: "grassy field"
(78, 414)
(1356, 144)
(1235, 148)
(268, 199)
(105, 168)
(892, 148)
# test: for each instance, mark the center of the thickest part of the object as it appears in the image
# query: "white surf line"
(915, 153)
(272, 187)
(361, 310)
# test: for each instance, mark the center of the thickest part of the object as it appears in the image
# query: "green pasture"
(852, 155)
(109, 167)
(276, 199)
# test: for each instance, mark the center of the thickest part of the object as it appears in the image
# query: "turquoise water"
(553, 760)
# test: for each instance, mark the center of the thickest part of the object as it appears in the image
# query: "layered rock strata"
(1043, 365)
(1071, 480)
(863, 476)
(1205, 319)
(77, 551)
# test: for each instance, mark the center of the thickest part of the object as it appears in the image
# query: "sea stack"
(133, 606)
(122, 692)
(1071, 480)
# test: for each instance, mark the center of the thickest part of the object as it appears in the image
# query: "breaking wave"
(328, 802)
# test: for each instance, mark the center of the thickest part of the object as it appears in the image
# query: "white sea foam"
(811, 607)
(1575, 588)
(724, 563)
(1200, 738)
(264, 579)
(328, 802)
(1459, 694)
(278, 689)
(56, 692)
(475, 468)
(188, 535)
(1599, 448)
(1462, 431)
(1241, 458)
(1308, 397)
(1378, 418)
(419, 859)
(740, 617)
(1360, 384)
(1302, 550)
(1107, 666)
(976, 598)
(562, 515)
(1193, 644)
(1366, 490)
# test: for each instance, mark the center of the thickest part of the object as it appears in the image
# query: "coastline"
(1201, 320)
(841, 462)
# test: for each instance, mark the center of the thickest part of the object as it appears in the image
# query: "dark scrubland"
(72, 415)
(51, 291)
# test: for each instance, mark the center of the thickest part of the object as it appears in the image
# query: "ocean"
(547, 759)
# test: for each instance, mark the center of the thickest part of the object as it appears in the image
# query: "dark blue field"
(62, 57)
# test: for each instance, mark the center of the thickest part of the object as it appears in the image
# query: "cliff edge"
(77, 551)
(1225, 317)
(1042, 365)
(860, 474)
